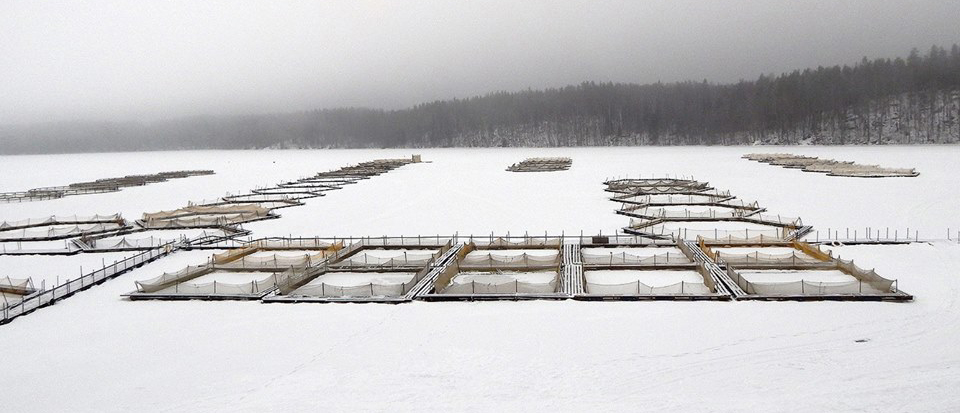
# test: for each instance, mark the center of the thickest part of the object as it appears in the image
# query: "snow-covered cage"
(201, 282)
(281, 190)
(201, 216)
(342, 283)
(254, 198)
(753, 229)
(143, 239)
(58, 231)
(367, 258)
(831, 167)
(809, 272)
(60, 220)
(57, 247)
(509, 242)
(349, 273)
(94, 187)
(871, 171)
(695, 280)
(166, 280)
(541, 165)
(296, 244)
(655, 185)
(503, 267)
(281, 253)
(800, 254)
(269, 201)
(864, 283)
(658, 270)
(688, 213)
(199, 210)
(278, 260)
(618, 255)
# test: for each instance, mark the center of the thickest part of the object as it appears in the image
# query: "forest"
(905, 100)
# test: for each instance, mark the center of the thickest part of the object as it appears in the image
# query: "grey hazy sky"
(140, 59)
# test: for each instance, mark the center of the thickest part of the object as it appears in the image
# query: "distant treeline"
(903, 100)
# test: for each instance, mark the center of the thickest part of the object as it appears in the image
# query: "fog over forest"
(115, 75)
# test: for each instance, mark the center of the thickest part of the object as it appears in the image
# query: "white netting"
(367, 290)
(792, 221)
(407, 259)
(868, 282)
(494, 260)
(874, 171)
(639, 288)
(762, 258)
(405, 241)
(199, 221)
(58, 231)
(810, 288)
(638, 223)
(217, 287)
(870, 277)
(504, 287)
(294, 243)
(511, 242)
(752, 235)
(656, 212)
(169, 279)
(670, 198)
(59, 220)
(287, 191)
(218, 210)
(623, 258)
(132, 243)
(8, 284)
(273, 261)
(261, 198)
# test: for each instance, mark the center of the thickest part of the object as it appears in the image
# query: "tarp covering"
(220, 210)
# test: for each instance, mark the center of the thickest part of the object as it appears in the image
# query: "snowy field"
(96, 352)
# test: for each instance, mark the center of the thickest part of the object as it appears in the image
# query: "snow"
(99, 352)
(652, 278)
(772, 276)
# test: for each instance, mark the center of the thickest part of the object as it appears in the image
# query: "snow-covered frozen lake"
(98, 352)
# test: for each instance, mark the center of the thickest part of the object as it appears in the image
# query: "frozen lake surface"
(98, 352)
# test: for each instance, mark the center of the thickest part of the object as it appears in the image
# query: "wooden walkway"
(44, 298)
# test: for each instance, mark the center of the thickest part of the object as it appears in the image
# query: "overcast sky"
(124, 60)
